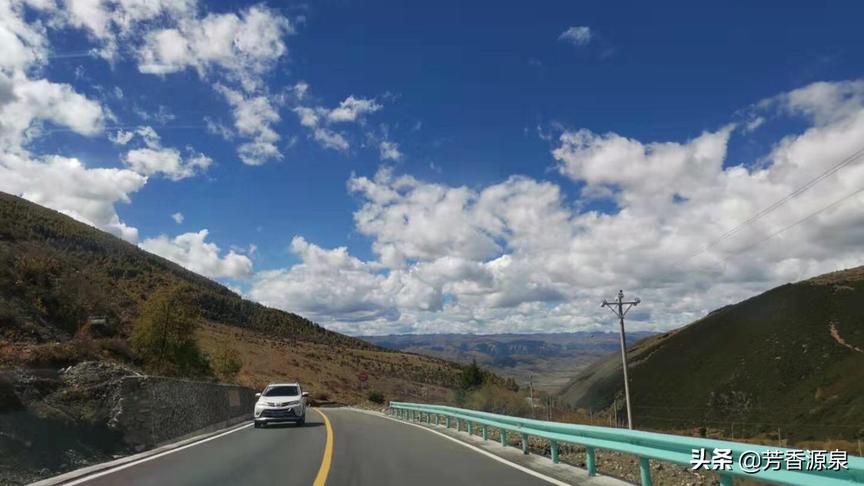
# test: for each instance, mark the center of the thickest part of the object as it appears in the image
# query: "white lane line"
(520, 467)
(155, 456)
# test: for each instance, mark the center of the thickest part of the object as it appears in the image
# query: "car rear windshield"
(282, 391)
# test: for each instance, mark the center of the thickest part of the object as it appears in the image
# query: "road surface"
(360, 449)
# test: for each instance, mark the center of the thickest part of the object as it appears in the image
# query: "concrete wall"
(151, 410)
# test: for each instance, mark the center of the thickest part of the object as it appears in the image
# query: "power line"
(796, 223)
(780, 202)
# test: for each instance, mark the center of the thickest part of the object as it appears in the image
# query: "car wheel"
(302, 421)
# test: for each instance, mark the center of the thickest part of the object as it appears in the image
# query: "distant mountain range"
(552, 359)
(790, 359)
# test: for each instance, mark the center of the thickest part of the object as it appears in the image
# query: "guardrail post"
(503, 435)
(590, 461)
(725, 480)
(485, 433)
(470, 428)
(437, 419)
(524, 443)
(553, 446)
(645, 471)
(447, 421)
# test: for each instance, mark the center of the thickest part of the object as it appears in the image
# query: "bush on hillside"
(376, 396)
(226, 362)
(498, 399)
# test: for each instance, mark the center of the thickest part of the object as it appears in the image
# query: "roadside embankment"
(53, 421)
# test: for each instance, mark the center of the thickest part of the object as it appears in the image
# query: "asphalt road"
(364, 450)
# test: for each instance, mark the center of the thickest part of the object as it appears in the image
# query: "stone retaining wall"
(152, 410)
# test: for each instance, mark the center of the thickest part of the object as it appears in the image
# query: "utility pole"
(531, 388)
(618, 308)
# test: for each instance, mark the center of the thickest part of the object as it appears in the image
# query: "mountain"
(789, 361)
(551, 359)
(69, 292)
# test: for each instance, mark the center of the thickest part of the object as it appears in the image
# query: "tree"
(163, 336)
(226, 361)
(472, 376)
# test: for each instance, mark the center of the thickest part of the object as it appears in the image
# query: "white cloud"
(192, 251)
(161, 115)
(86, 193)
(113, 23)
(330, 139)
(25, 102)
(389, 151)
(253, 118)
(166, 161)
(66, 185)
(825, 102)
(351, 109)
(177, 217)
(244, 46)
(326, 282)
(518, 256)
(121, 137)
(22, 44)
(577, 35)
(754, 123)
(153, 158)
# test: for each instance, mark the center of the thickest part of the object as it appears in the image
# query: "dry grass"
(330, 373)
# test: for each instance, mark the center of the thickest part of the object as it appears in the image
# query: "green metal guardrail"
(646, 446)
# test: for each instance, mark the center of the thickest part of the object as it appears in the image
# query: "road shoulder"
(533, 464)
(73, 477)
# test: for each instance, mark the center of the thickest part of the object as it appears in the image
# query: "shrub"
(498, 399)
(376, 396)
(225, 361)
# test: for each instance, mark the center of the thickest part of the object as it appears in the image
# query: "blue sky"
(470, 96)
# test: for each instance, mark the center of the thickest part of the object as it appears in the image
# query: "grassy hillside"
(56, 272)
(550, 359)
(789, 359)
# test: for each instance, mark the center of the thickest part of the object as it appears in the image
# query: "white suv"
(280, 403)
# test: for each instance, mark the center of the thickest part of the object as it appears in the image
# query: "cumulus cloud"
(67, 185)
(317, 119)
(30, 105)
(244, 45)
(22, 44)
(121, 137)
(579, 35)
(26, 103)
(113, 23)
(177, 217)
(519, 256)
(153, 158)
(253, 118)
(316, 286)
(192, 251)
(388, 150)
(351, 109)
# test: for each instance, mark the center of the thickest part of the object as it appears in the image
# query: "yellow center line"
(324, 470)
